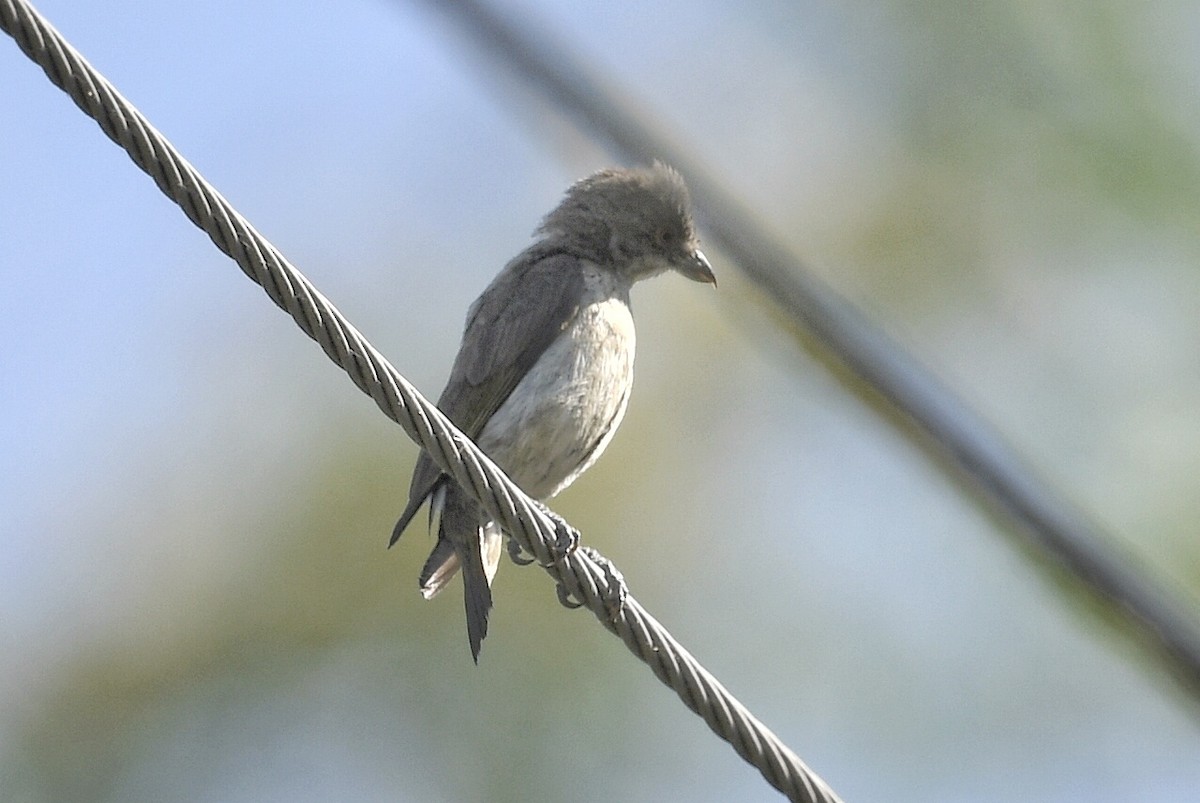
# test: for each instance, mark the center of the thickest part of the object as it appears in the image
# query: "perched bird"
(543, 374)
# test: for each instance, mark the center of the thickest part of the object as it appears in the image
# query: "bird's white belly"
(563, 413)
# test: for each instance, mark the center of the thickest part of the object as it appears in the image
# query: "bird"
(544, 371)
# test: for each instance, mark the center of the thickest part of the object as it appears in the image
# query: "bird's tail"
(463, 542)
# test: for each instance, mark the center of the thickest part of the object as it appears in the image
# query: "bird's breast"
(563, 413)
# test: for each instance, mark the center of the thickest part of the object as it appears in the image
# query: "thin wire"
(582, 574)
(970, 449)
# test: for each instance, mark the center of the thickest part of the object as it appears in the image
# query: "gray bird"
(544, 371)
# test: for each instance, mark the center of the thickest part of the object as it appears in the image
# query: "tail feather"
(464, 542)
(440, 566)
(414, 504)
(477, 599)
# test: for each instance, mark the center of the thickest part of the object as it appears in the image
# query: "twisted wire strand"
(590, 580)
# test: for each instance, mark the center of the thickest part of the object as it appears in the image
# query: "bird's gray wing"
(518, 316)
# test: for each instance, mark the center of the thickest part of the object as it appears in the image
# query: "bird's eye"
(664, 237)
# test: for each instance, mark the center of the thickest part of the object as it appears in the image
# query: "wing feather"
(532, 301)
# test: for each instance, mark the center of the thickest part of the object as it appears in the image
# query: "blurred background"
(197, 602)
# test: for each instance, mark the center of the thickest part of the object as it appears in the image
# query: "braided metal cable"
(582, 574)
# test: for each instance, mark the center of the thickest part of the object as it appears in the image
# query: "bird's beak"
(696, 268)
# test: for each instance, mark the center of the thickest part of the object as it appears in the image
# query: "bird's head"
(636, 221)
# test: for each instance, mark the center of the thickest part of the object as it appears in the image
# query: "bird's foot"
(566, 537)
(564, 598)
(515, 553)
(617, 592)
